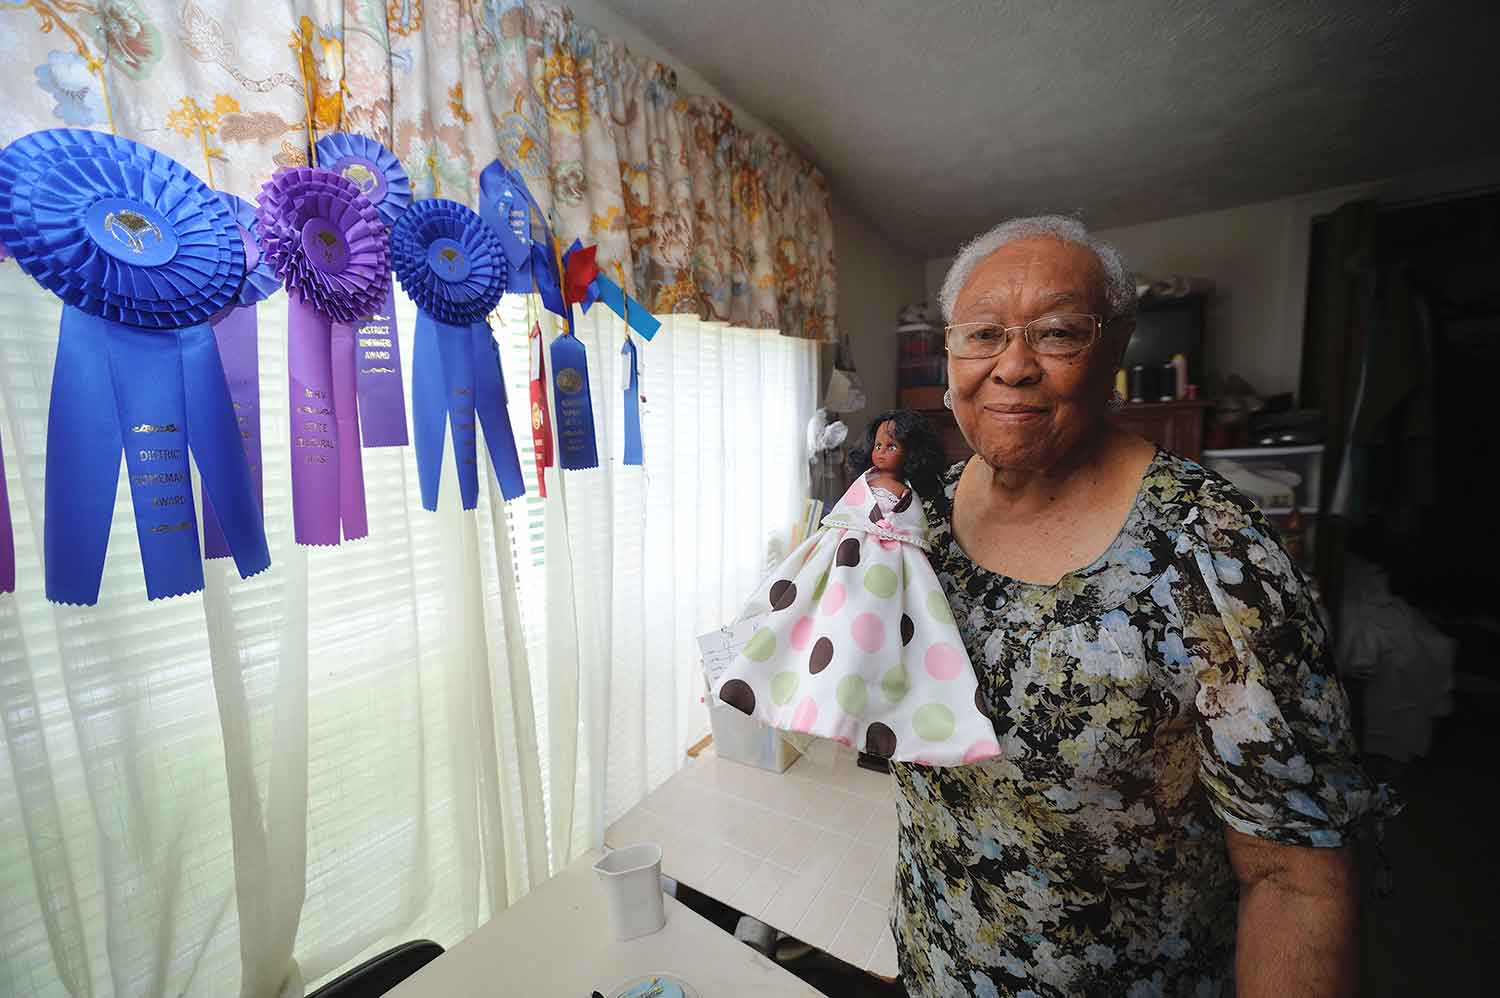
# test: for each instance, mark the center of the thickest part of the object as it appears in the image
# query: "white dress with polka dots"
(858, 644)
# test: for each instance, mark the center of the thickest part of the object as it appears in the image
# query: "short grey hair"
(1119, 283)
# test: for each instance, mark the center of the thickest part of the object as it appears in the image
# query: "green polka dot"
(761, 646)
(822, 585)
(881, 581)
(894, 685)
(852, 695)
(933, 722)
(784, 687)
(937, 605)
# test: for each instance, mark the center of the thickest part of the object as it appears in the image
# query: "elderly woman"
(1177, 785)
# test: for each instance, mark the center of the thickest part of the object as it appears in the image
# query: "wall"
(874, 279)
(1257, 257)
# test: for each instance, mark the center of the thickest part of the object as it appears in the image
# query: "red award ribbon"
(541, 422)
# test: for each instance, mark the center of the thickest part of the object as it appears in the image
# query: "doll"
(856, 641)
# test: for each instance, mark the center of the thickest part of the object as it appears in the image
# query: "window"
(369, 693)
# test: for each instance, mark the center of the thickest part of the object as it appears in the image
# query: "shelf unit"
(1253, 452)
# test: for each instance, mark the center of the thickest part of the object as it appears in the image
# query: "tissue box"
(737, 736)
(746, 740)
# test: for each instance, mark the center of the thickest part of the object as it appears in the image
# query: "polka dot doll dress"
(856, 642)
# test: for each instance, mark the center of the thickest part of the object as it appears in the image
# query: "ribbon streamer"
(236, 333)
(143, 255)
(7, 538)
(541, 423)
(576, 446)
(505, 204)
(633, 312)
(378, 174)
(632, 382)
(450, 263)
(327, 243)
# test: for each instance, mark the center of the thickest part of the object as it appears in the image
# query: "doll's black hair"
(924, 455)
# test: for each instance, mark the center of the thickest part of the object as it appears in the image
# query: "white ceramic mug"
(632, 887)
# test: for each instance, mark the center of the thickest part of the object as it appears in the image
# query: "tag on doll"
(720, 647)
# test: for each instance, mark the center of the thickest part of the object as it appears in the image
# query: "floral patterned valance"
(693, 213)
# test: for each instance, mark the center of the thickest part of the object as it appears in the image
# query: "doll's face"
(889, 454)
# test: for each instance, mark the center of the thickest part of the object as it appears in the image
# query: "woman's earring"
(948, 399)
(1116, 401)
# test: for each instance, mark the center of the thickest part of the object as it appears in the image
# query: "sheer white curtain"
(246, 790)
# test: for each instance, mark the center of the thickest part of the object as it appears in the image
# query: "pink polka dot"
(944, 661)
(842, 741)
(869, 632)
(856, 494)
(806, 715)
(981, 750)
(802, 633)
(833, 598)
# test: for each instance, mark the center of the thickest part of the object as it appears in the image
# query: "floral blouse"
(1179, 683)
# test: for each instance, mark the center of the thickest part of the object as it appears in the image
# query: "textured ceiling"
(936, 118)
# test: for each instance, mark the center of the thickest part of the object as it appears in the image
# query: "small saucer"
(645, 987)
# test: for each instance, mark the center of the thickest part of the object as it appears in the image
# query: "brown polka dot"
(848, 554)
(904, 503)
(822, 655)
(908, 630)
(783, 593)
(880, 740)
(876, 513)
(738, 694)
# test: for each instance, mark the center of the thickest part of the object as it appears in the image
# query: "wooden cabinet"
(1175, 426)
(928, 400)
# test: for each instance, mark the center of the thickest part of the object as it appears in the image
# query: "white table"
(811, 851)
(556, 941)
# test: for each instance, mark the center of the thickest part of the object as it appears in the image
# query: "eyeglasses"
(1050, 336)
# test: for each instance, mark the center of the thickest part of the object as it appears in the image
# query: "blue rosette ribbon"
(143, 256)
(236, 333)
(378, 174)
(451, 264)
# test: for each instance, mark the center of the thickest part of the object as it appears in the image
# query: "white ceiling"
(937, 117)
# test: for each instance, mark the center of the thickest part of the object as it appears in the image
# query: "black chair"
(380, 974)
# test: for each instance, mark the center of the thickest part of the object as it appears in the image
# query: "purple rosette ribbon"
(451, 264)
(142, 255)
(378, 174)
(236, 333)
(327, 243)
(7, 538)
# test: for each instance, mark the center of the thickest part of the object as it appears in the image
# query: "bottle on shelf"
(1179, 365)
